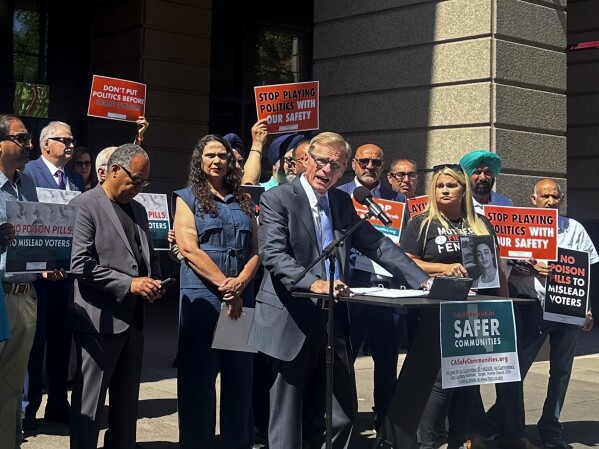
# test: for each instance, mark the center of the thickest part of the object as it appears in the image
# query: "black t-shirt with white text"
(437, 244)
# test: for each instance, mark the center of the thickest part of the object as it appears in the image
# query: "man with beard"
(482, 167)
(281, 160)
(382, 324)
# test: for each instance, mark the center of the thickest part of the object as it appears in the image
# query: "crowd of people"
(231, 258)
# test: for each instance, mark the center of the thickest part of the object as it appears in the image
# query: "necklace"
(455, 224)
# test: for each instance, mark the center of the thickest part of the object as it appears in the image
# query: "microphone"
(363, 196)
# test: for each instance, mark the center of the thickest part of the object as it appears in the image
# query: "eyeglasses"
(136, 180)
(365, 161)
(288, 160)
(400, 175)
(19, 139)
(83, 163)
(322, 162)
(455, 167)
(66, 141)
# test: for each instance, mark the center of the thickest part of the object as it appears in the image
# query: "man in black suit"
(380, 323)
(115, 270)
(48, 171)
(294, 220)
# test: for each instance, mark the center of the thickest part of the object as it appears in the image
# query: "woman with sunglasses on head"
(216, 233)
(83, 163)
(432, 240)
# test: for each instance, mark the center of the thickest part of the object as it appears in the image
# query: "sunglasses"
(136, 180)
(66, 141)
(365, 161)
(455, 167)
(19, 139)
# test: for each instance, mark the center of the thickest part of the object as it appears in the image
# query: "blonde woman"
(432, 240)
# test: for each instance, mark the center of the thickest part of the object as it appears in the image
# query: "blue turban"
(236, 143)
(282, 145)
(472, 160)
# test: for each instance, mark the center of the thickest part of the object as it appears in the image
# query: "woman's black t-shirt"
(440, 244)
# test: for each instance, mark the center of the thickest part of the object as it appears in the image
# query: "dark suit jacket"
(361, 278)
(288, 243)
(103, 265)
(42, 177)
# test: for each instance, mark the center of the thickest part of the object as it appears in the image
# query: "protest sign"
(288, 107)
(44, 236)
(478, 343)
(567, 289)
(156, 205)
(417, 205)
(116, 99)
(524, 232)
(56, 196)
(395, 211)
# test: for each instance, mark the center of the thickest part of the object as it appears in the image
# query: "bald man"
(562, 336)
(382, 324)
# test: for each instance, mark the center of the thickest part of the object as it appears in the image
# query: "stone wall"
(432, 80)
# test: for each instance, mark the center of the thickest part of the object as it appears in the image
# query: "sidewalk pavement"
(157, 418)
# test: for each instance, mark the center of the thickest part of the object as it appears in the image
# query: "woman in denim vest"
(216, 233)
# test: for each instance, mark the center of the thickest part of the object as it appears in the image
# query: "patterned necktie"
(60, 176)
(326, 230)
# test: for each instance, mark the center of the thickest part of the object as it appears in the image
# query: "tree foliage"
(274, 62)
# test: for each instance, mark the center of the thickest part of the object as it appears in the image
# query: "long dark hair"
(200, 186)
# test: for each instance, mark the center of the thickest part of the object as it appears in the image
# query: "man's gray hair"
(49, 129)
(103, 157)
(125, 153)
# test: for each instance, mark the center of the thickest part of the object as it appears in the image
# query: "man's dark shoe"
(58, 415)
(553, 442)
(515, 443)
(30, 423)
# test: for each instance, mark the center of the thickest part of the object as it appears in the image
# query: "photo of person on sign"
(480, 259)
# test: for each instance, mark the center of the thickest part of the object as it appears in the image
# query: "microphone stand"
(330, 252)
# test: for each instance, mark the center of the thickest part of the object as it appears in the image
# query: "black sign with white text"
(567, 291)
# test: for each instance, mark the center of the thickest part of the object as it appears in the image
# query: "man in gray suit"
(115, 269)
(294, 220)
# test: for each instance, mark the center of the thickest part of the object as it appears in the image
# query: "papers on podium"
(232, 335)
(388, 292)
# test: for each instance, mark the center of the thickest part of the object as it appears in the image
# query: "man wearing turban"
(281, 159)
(482, 167)
(238, 149)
